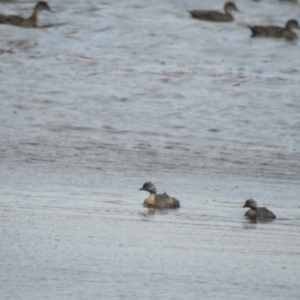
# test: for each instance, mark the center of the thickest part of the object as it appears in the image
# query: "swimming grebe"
(276, 31)
(215, 16)
(30, 22)
(158, 200)
(257, 212)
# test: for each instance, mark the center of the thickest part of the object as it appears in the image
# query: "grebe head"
(251, 204)
(149, 187)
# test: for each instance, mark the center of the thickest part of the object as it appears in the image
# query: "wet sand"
(125, 93)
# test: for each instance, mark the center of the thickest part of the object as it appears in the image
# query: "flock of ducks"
(265, 31)
(205, 15)
(162, 201)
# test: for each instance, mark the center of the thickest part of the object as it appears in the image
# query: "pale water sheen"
(130, 91)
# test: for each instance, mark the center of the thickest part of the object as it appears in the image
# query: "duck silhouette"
(215, 16)
(30, 22)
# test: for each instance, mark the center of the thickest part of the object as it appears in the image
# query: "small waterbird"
(276, 31)
(30, 22)
(257, 212)
(158, 200)
(215, 16)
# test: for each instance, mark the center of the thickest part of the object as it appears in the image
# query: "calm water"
(116, 94)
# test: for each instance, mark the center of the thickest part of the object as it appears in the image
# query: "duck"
(276, 31)
(257, 212)
(215, 16)
(30, 22)
(158, 200)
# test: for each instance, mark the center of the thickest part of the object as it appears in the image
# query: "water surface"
(126, 92)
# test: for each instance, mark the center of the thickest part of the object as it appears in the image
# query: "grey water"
(105, 96)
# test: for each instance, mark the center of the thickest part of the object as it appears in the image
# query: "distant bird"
(257, 212)
(30, 22)
(276, 31)
(215, 16)
(158, 200)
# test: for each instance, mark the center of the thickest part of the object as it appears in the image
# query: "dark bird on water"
(158, 200)
(276, 31)
(257, 212)
(215, 16)
(30, 22)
